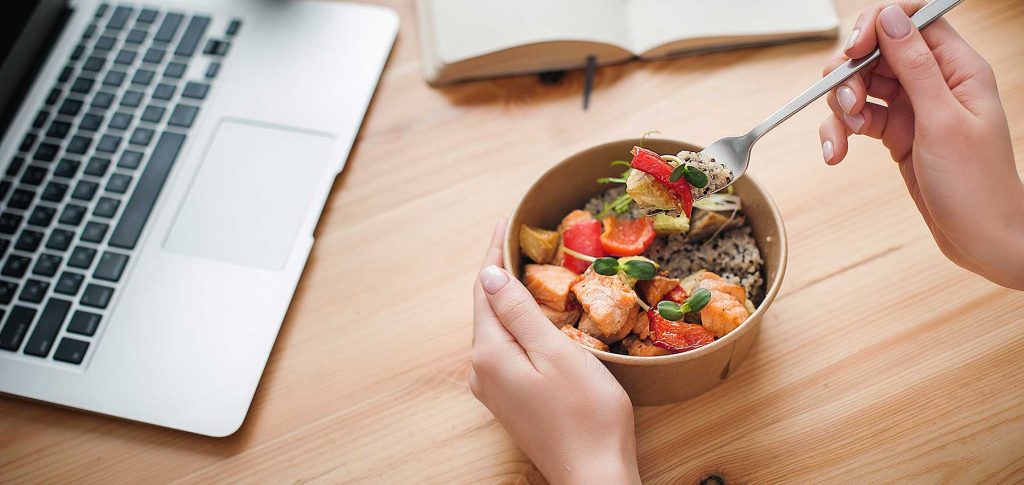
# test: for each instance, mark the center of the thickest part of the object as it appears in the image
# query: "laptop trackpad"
(251, 194)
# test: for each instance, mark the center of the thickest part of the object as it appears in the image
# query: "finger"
(881, 87)
(851, 94)
(913, 63)
(862, 39)
(833, 136)
(519, 313)
(853, 122)
(487, 331)
(494, 255)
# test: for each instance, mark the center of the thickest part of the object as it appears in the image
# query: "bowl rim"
(747, 324)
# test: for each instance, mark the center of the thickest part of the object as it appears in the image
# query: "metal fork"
(734, 152)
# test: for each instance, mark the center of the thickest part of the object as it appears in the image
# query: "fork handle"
(923, 17)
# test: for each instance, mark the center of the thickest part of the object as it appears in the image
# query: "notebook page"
(656, 22)
(464, 29)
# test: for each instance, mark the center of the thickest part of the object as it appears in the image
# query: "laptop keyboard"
(89, 170)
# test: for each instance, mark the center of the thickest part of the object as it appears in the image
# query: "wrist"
(613, 467)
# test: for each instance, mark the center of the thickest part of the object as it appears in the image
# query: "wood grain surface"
(880, 361)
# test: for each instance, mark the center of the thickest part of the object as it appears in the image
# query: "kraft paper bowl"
(670, 378)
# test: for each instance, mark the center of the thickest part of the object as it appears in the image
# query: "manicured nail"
(846, 98)
(852, 39)
(827, 150)
(855, 122)
(895, 23)
(493, 279)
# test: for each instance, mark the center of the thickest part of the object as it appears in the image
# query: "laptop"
(162, 169)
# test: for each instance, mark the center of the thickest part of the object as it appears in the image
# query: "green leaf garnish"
(670, 310)
(619, 205)
(695, 177)
(621, 163)
(611, 180)
(641, 270)
(697, 301)
(677, 174)
(606, 266)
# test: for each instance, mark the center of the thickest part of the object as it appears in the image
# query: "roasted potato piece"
(648, 193)
(538, 244)
(705, 224)
(653, 290)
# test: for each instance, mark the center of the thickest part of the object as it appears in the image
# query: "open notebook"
(466, 39)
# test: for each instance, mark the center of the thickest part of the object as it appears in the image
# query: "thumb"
(516, 309)
(912, 61)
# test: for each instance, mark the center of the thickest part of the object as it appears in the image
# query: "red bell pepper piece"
(584, 238)
(651, 163)
(677, 336)
(627, 238)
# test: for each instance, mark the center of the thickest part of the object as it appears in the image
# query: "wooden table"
(880, 361)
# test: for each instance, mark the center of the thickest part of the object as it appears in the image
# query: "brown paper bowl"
(669, 378)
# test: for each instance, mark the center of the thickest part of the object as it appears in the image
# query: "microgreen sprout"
(695, 177)
(670, 310)
(634, 268)
(619, 205)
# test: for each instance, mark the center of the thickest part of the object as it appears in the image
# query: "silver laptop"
(163, 168)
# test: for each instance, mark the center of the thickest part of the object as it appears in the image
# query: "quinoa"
(732, 254)
(719, 175)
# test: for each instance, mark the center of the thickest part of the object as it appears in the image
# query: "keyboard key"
(46, 152)
(195, 90)
(120, 121)
(119, 18)
(94, 64)
(233, 27)
(212, 70)
(40, 119)
(143, 77)
(175, 70)
(136, 36)
(7, 291)
(5, 187)
(58, 129)
(16, 266)
(46, 265)
(106, 207)
(216, 47)
(96, 296)
(53, 96)
(71, 350)
(9, 223)
(15, 166)
(136, 212)
(54, 192)
(65, 74)
(154, 55)
(125, 57)
(77, 53)
(60, 239)
(147, 16)
(183, 115)
(33, 175)
(153, 114)
(72, 215)
(114, 79)
(34, 291)
(68, 284)
(89, 31)
(141, 136)
(66, 168)
(16, 327)
(85, 190)
(131, 158)
(70, 107)
(81, 257)
(41, 216)
(190, 39)
(132, 99)
(101, 10)
(94, 232)
(108, 143)
(29, 241)
(111, 266)
(50, 321)
(118, 183)
(21, 199)
(82, 85)
(91, 122)
(79, 145)
(105, 43)
(103, 100)
(97, 167)
(27, 142)
(163, 91)
(168, 28)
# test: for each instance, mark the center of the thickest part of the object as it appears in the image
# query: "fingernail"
(846, 98)
(855, 122)
(852, 39)
(827, 150)
(493, 279)
(895, 23)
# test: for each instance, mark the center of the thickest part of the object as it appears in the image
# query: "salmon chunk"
(588, 325)
(725, 311)
(642, 347)
(652, 291)
(550, 285)
(562, 318)
(608, 302)
(642, 327)
(582, 337)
